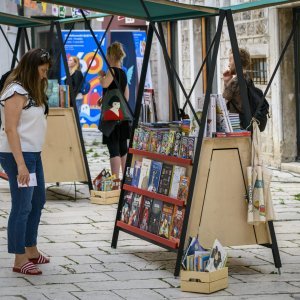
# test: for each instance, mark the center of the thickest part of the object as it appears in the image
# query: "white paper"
(32, 181)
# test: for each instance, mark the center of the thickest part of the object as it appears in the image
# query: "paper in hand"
(32, 181)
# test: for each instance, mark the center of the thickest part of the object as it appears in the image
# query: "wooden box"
(204, 282)
(101, 197)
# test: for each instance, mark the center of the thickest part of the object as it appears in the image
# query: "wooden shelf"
(149, 194)
(148, 235)
(165, 158)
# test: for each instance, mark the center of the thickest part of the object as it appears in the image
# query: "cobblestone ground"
(77, 236)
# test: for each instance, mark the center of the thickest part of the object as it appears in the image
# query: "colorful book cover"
(178, 171)
(159, 140)
(154, 176)
(136, 173)
(153, 141)
(155, 214)
(165, 179)
(193, 246)
(218, 257)
(129, 175)
(170, 143)
(146, 139)
(183, 189)
(135, 140)
(184, 147)
(144, 175)
(135, 210)
(127, 203)
(164, 143)
(191, 147)
(145, 213)
(140, 139)
(166, 220)
(177, 223)
(177, 144)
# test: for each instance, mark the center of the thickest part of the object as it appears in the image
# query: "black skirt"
(121, 131)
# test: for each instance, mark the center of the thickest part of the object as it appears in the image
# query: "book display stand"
(216, 206)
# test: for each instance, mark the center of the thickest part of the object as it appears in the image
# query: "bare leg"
(115, 163)
(123, 163)
(20, 260)
(32, 252)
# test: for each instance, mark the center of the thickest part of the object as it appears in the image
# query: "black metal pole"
(73, 100)
(109, 67)
(238, 67)
(26, 39)
(167, 56)
(170, 76)
(199, 145)
(7, 41)
(274, 246)
(134, 125)
(15, 54)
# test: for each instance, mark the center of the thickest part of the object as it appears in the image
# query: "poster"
(82, 44)
(134, 43)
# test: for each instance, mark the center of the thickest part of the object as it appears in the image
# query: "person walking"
(117, 141)
(77, 80)
(24, 109)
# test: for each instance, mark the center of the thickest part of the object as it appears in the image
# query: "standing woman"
(76, 77)
(23, 106)
(117, 140)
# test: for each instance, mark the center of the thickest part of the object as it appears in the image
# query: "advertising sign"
(82, 44)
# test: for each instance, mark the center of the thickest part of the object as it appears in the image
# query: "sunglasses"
(45, 54)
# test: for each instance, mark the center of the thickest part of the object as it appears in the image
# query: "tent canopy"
(19, 21)
(162, 10)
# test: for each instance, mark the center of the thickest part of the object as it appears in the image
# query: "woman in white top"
(23, 106)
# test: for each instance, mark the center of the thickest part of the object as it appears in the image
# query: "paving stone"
(178, 294)
(58, 296)
(86, 268)
(101, 295)
(140, 275)
(262, 288)
(141, 294)
(120, 285)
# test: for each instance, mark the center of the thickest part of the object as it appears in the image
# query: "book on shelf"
(178, 171)
(164, 143)
(53, 93)
(135, 210)
(64, 95)
(191, 147)
(166, 220)
(155, 214)
(165, 179)
(222, 118)
(153, 141)
(201, 260)
(136, 173)
(127, 203)
(177, 222)
(211, 116)
(154, 176)
(129, 175)
(183, 188)
(144, 174)
(217, 257)
(145, 213)
(146, 140)
(177, 144)
(170, 143)
(184, 146)
(135, 139)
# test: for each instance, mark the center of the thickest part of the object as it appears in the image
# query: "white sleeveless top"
(32, 124)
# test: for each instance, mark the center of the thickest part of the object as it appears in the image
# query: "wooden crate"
(204, 282)
(109, 197)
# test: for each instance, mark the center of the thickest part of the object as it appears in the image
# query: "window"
(258, 70)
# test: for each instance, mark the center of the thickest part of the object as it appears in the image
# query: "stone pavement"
(77, 236)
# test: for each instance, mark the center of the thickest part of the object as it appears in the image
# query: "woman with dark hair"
(117, 141)
(24, 108)
(114, 113)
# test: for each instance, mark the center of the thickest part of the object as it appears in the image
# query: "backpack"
(85, 87)
(259, 106)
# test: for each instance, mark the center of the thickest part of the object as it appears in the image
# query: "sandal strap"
(42, 259)
(28, 267)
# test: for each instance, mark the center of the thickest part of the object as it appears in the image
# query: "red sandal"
(29, 269)
(40, 260)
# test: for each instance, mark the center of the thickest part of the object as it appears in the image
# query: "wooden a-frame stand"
(216, 205)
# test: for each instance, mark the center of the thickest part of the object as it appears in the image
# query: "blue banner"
(81, 43)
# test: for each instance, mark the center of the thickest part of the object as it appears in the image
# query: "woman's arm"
(126, 93)
(12, 111)
(106, 79)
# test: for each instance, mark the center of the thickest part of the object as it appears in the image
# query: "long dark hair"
(26, 73)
